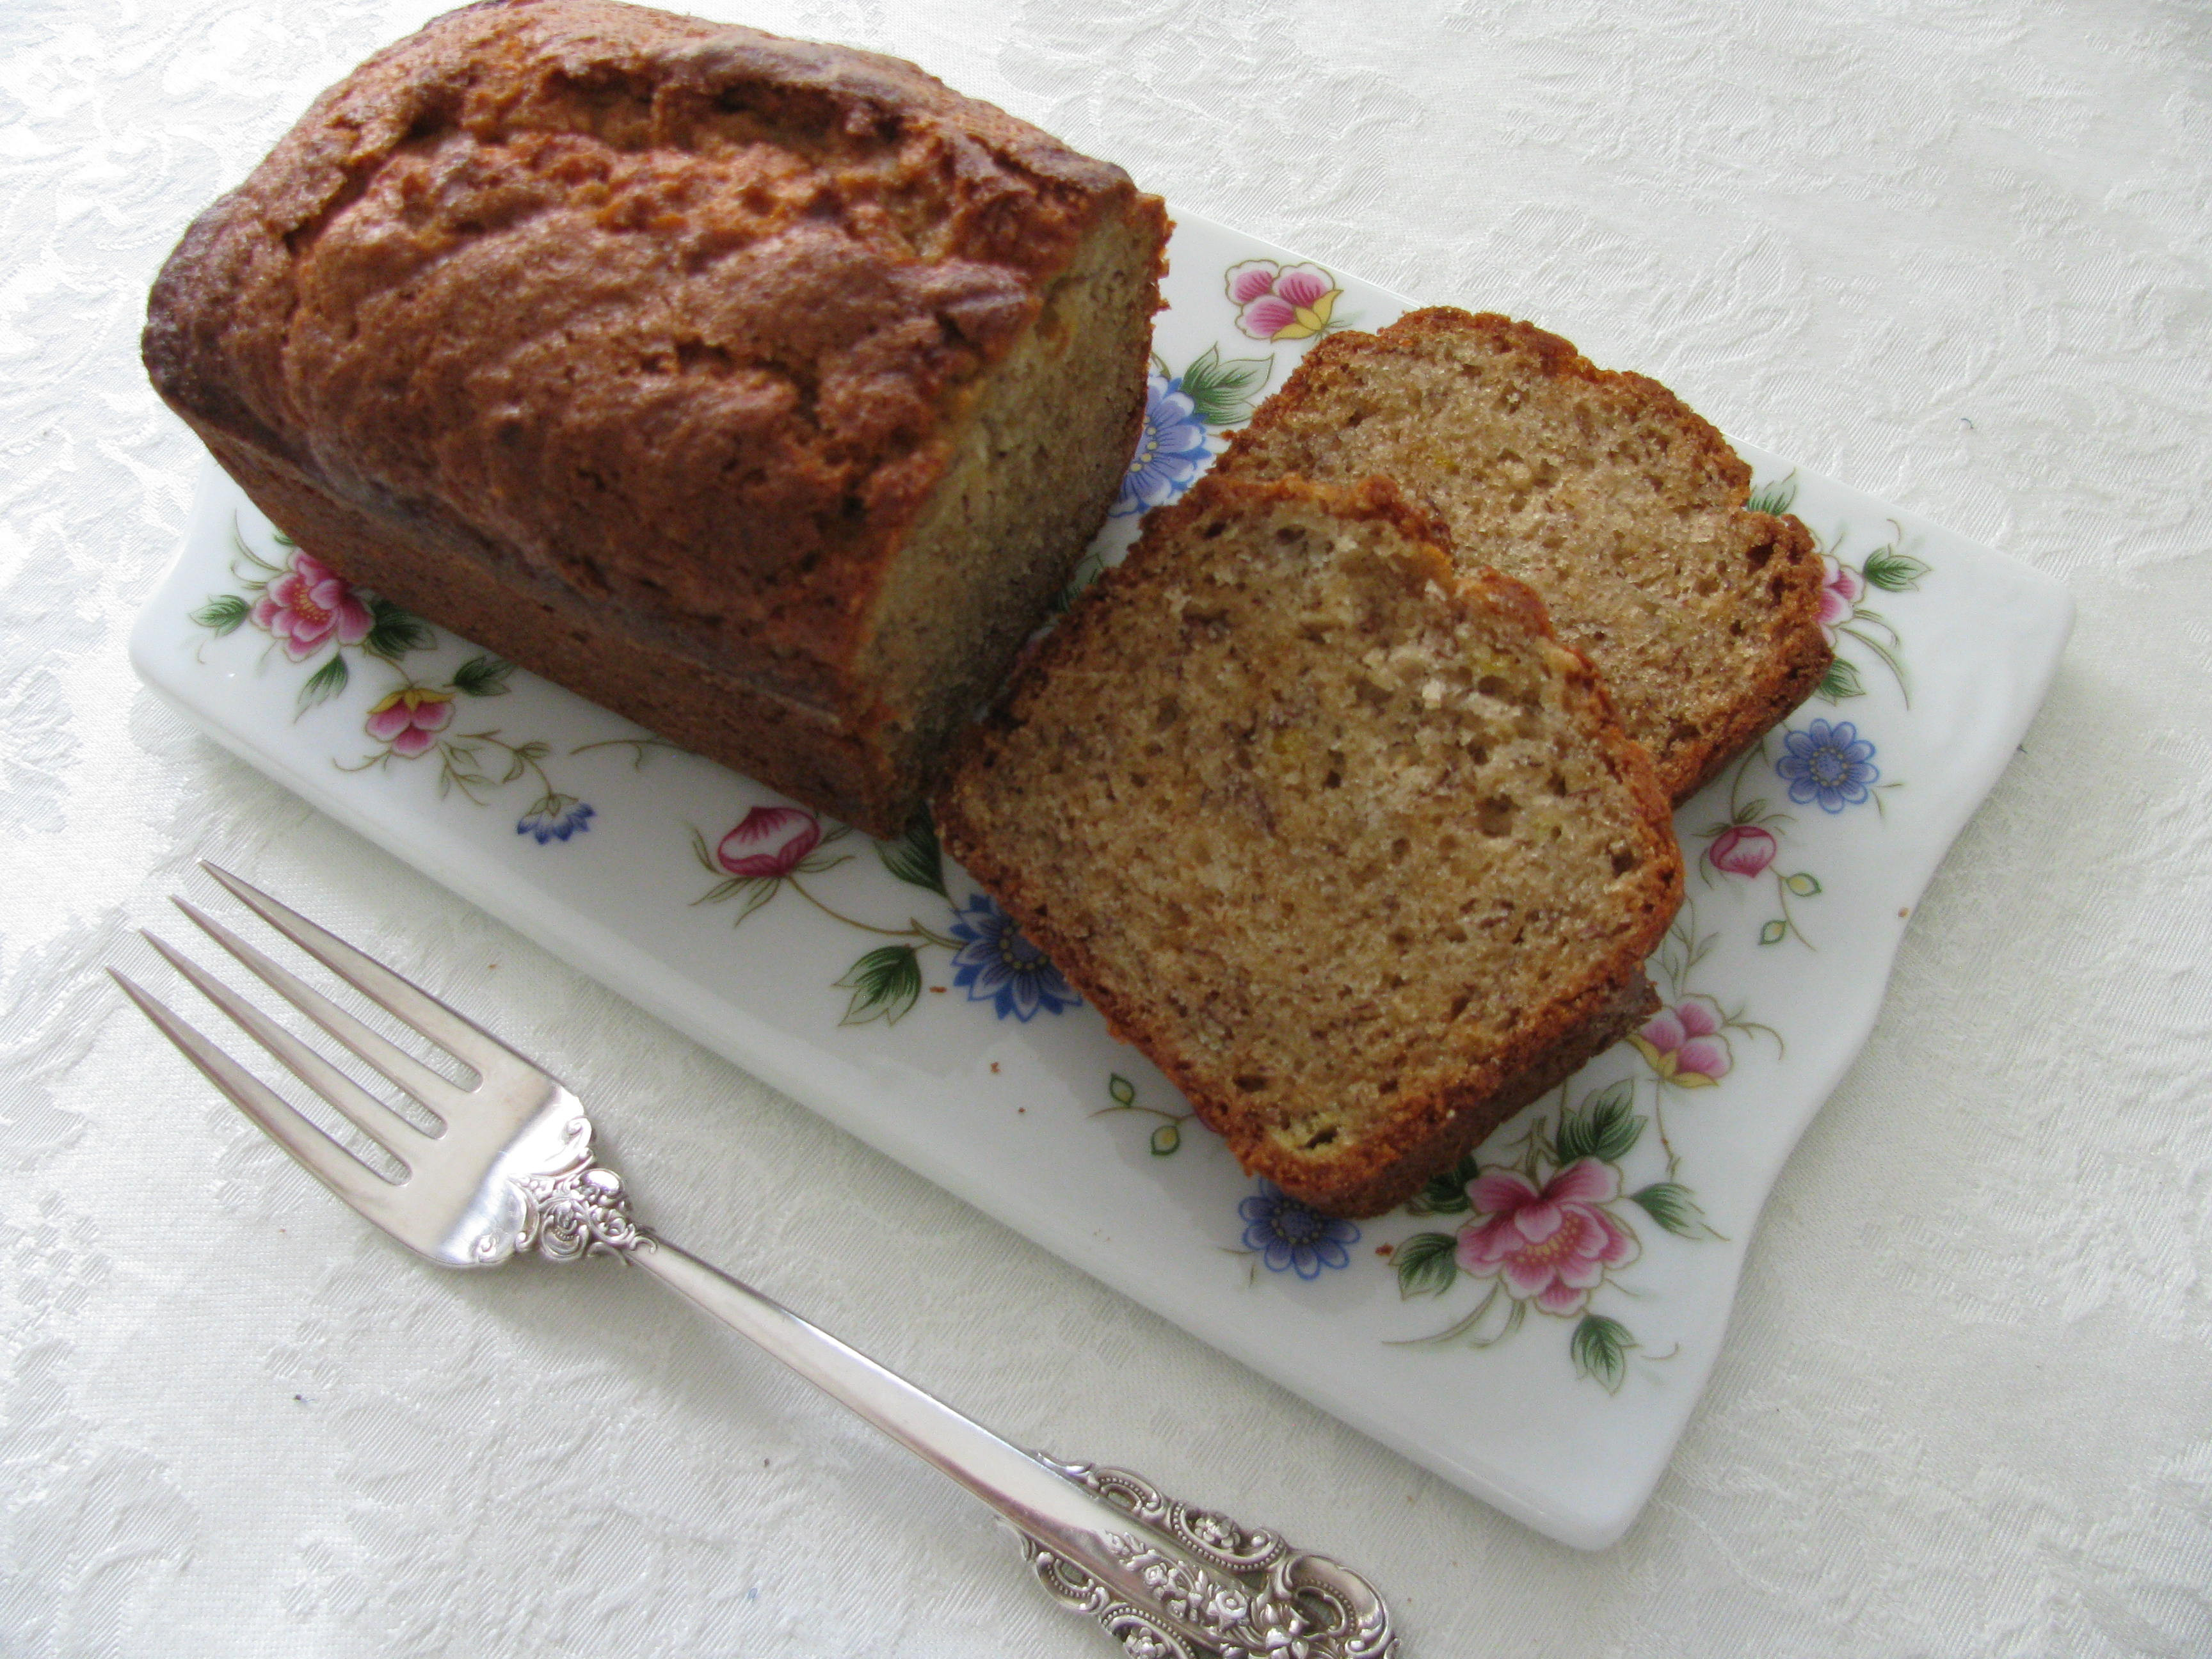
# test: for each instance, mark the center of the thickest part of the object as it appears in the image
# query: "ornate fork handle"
(1166, 1580)
(1251, 1594)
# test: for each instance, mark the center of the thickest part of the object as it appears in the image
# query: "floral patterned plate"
(1536, 1326)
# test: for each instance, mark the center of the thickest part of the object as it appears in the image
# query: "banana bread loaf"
(1601, 490)
(765, 392)
(1336, 833)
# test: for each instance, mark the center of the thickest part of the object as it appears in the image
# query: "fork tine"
(369, 1114)
(440, 1094)
(451, 1030)
(360, 1187)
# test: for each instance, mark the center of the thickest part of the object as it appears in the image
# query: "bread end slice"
(1601, 490)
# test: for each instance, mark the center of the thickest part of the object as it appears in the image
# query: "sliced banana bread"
(1334, 832)
(1601, 490)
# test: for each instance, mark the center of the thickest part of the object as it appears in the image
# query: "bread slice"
(765, 392)
(1601, 490)
(1336, 833)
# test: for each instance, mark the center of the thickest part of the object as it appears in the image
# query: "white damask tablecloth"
(1954, 254)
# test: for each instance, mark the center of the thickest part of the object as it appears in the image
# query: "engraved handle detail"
(1240, 1594)
(571, 1205)
(578, 1209)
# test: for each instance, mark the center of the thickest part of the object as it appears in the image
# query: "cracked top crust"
(671, 315)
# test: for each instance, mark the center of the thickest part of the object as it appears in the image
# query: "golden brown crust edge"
(1426, 1134)
(1800, 663)
(1442, 1134)
(1800, 651)
(801, 751)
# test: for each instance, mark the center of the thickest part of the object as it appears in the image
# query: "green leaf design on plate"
(224, 613)
(1669, 1204)
(913, 858)
(1775, 497)
(1167, 1140)
(1774, 932)
(1222, 393)
(484, 676)
(886, 983)
(751, 892)
(1802, 884)
(1604, 1127)
(325, 684)
(1426, 1265)
(1123, 1091)
(1891, 571)
(1600, 1347)
(758, 891)
(1445, 1192)
(392, 633)
(1841, 681)
(464, 766)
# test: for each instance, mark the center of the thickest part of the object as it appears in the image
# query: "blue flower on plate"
(1288, 1234)
(1832, 764)
(995, 964)
(554, 817)
(1170, 450)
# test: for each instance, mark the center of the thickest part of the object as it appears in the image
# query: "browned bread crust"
(637, 347)
(1015, 808)
(1549, 452)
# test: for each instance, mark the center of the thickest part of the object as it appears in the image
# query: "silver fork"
(510, 1171)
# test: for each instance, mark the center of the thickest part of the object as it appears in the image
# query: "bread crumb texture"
(1335, 831)
(1602, 490)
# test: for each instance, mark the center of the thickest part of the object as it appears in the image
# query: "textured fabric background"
(1956, 253)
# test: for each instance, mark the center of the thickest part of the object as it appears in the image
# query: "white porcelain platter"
(1538, 1328)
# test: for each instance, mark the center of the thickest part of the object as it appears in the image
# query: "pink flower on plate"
(1685, 1045)
(1281, 302)
(308, 603)
(1553, 1246)
(770, 842)
(1841, 590)
(1742, 849)
(411, 719)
